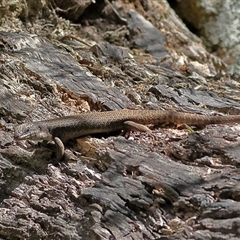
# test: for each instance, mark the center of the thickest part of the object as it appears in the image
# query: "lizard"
(65, 128)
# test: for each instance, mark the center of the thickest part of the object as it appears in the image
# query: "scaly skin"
(70, 127)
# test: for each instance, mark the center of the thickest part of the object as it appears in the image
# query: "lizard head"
(31, 131)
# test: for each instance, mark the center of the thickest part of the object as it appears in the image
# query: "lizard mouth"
(18, 136)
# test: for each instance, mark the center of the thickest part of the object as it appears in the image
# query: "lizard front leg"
(59, 148)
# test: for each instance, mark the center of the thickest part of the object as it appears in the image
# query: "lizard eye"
(26, 130)
(24, 133)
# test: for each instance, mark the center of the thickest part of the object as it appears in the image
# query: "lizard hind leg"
(132, 126)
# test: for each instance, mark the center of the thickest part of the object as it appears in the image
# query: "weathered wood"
(176, 185)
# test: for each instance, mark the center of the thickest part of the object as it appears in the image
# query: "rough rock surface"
(180, 184)
(217, 23)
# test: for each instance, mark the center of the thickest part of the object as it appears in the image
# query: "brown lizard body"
(69, 127)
